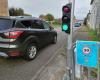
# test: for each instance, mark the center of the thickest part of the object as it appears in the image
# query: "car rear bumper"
(10, 50)
(7, 46)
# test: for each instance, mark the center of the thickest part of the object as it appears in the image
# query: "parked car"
(24, 36)
(77, 24)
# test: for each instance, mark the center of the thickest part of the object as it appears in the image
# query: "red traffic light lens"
(66, 9)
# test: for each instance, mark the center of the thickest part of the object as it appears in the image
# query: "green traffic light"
(65, 27)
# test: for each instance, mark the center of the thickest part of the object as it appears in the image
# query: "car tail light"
(13, 34)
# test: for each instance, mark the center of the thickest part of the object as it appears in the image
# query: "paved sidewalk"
(55, 69)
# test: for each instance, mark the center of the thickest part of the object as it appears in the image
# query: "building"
(4, 8)
(88, 19)
(95, 15)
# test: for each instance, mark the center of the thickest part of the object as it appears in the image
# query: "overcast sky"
(37, 7)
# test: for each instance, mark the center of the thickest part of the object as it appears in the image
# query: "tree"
(49, 17)
(12, 11)
(16, 11)
(42, 16)
(57, 21)
(19, 11)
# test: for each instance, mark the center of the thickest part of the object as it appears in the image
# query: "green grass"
(93, 34)
(83, 29)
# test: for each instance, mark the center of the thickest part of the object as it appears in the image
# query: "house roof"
(91, 1)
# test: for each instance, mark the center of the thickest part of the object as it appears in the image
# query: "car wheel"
(54, 40)
(31, 51)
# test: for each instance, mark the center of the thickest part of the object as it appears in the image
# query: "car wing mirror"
(51, 28)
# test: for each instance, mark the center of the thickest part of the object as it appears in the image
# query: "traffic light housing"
(66, 18)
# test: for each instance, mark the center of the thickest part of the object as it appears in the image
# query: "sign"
(87, 53)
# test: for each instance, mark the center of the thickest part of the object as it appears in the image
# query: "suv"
(23, 36)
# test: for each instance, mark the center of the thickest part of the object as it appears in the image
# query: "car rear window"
(5, 24)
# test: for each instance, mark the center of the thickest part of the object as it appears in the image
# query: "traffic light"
(66, 18)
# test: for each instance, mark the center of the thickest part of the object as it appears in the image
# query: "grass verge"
(83, 29)
(93, 35)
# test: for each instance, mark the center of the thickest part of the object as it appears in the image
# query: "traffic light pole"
(70, 44)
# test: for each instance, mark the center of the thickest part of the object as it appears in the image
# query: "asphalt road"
(19, 69)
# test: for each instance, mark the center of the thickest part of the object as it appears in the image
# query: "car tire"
(54, 40)
(31, 51)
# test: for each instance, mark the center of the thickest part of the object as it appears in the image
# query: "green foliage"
(57, 22)
(49, 17)
(12, 11)
(93, 34)
(42, 16)
(94, 73)
(16, 11)
(56, 25)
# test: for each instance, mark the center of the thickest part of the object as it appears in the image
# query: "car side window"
(19, 25)
(46, 25)
(36, 24)
(27, 23)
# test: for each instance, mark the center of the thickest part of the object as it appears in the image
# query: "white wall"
(94, 14)
(98, 15)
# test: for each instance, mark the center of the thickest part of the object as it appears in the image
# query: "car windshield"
(5, 24)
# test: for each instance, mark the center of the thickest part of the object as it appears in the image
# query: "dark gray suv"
(24, 36)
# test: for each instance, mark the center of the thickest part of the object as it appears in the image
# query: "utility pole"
(70, 43)
(67, 27)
